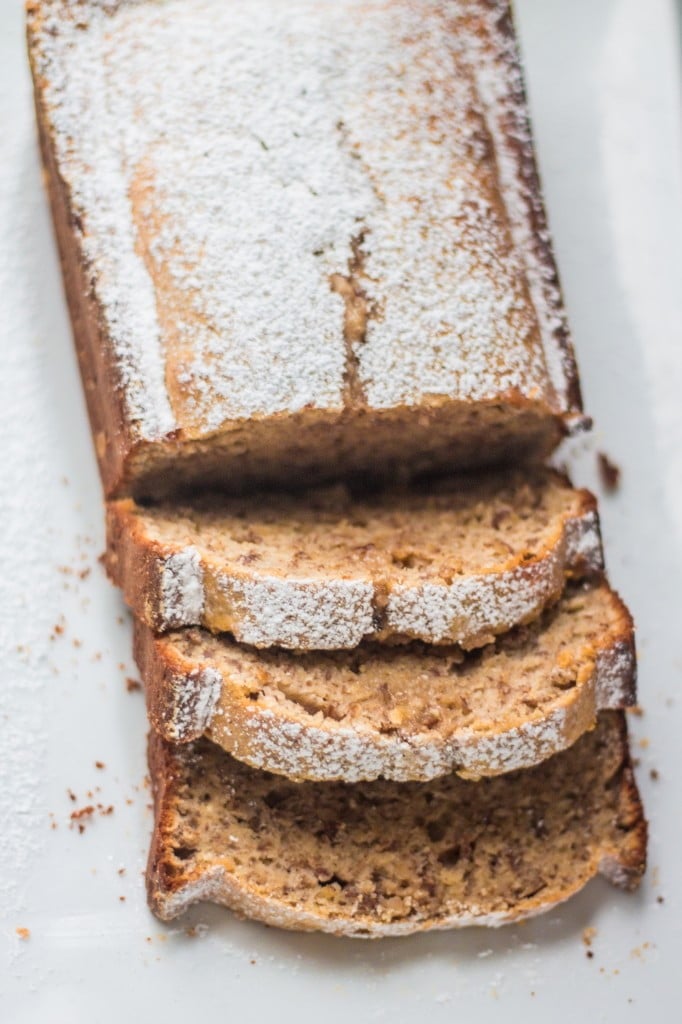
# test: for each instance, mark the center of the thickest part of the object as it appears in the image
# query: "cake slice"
(386, 858)
(300, 240)
(458, 561)
(410, 712)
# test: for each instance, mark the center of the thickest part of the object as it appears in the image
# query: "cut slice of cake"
(386, 858)
(458, 561)
(411, 712)
(323, 250)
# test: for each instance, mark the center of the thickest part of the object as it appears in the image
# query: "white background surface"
(604, 85)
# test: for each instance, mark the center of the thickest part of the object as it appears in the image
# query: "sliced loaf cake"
(386, 858)
(458, 561)
(409, 712)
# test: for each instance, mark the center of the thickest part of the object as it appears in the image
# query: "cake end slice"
(378, 859)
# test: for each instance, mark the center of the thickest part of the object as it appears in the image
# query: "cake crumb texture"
(386, 858)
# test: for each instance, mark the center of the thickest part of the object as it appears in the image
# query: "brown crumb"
(84, 573)
(659, 899)
(23, 933)
(589, 954)
(609, 473)
(132, 685)
(83, 812)
(589, 934)
(121, 871)
(122, 899)
(72, 795)
(654, 775)
(100, 764)
(637, 710)
(253, 961)
(643, 743)
(191, 931)
(57, 630)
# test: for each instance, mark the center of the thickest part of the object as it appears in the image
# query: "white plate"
(604, 88)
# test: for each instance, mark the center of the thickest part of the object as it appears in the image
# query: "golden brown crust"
(165, 684)
(607, 834)
(133, 564)
(101, 382)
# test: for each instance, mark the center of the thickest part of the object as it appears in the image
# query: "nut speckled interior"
(387, 858)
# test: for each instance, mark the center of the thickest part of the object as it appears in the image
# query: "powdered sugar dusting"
(98, 176)
(473, 609)
(450, 311)
(274, 742)
(583, 541)
(299, 614)
(215, 885)
(195, 701)
(616, 675)
(207, 886)
(182, 588)
(509, 126)
(305, 748)
(358, 152)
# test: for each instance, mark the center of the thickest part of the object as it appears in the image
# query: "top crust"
(341, 264)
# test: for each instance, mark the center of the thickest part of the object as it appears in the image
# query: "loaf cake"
(409, 712)
(300, 240)
(458, 561)
(305, 242)
(385, 858)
